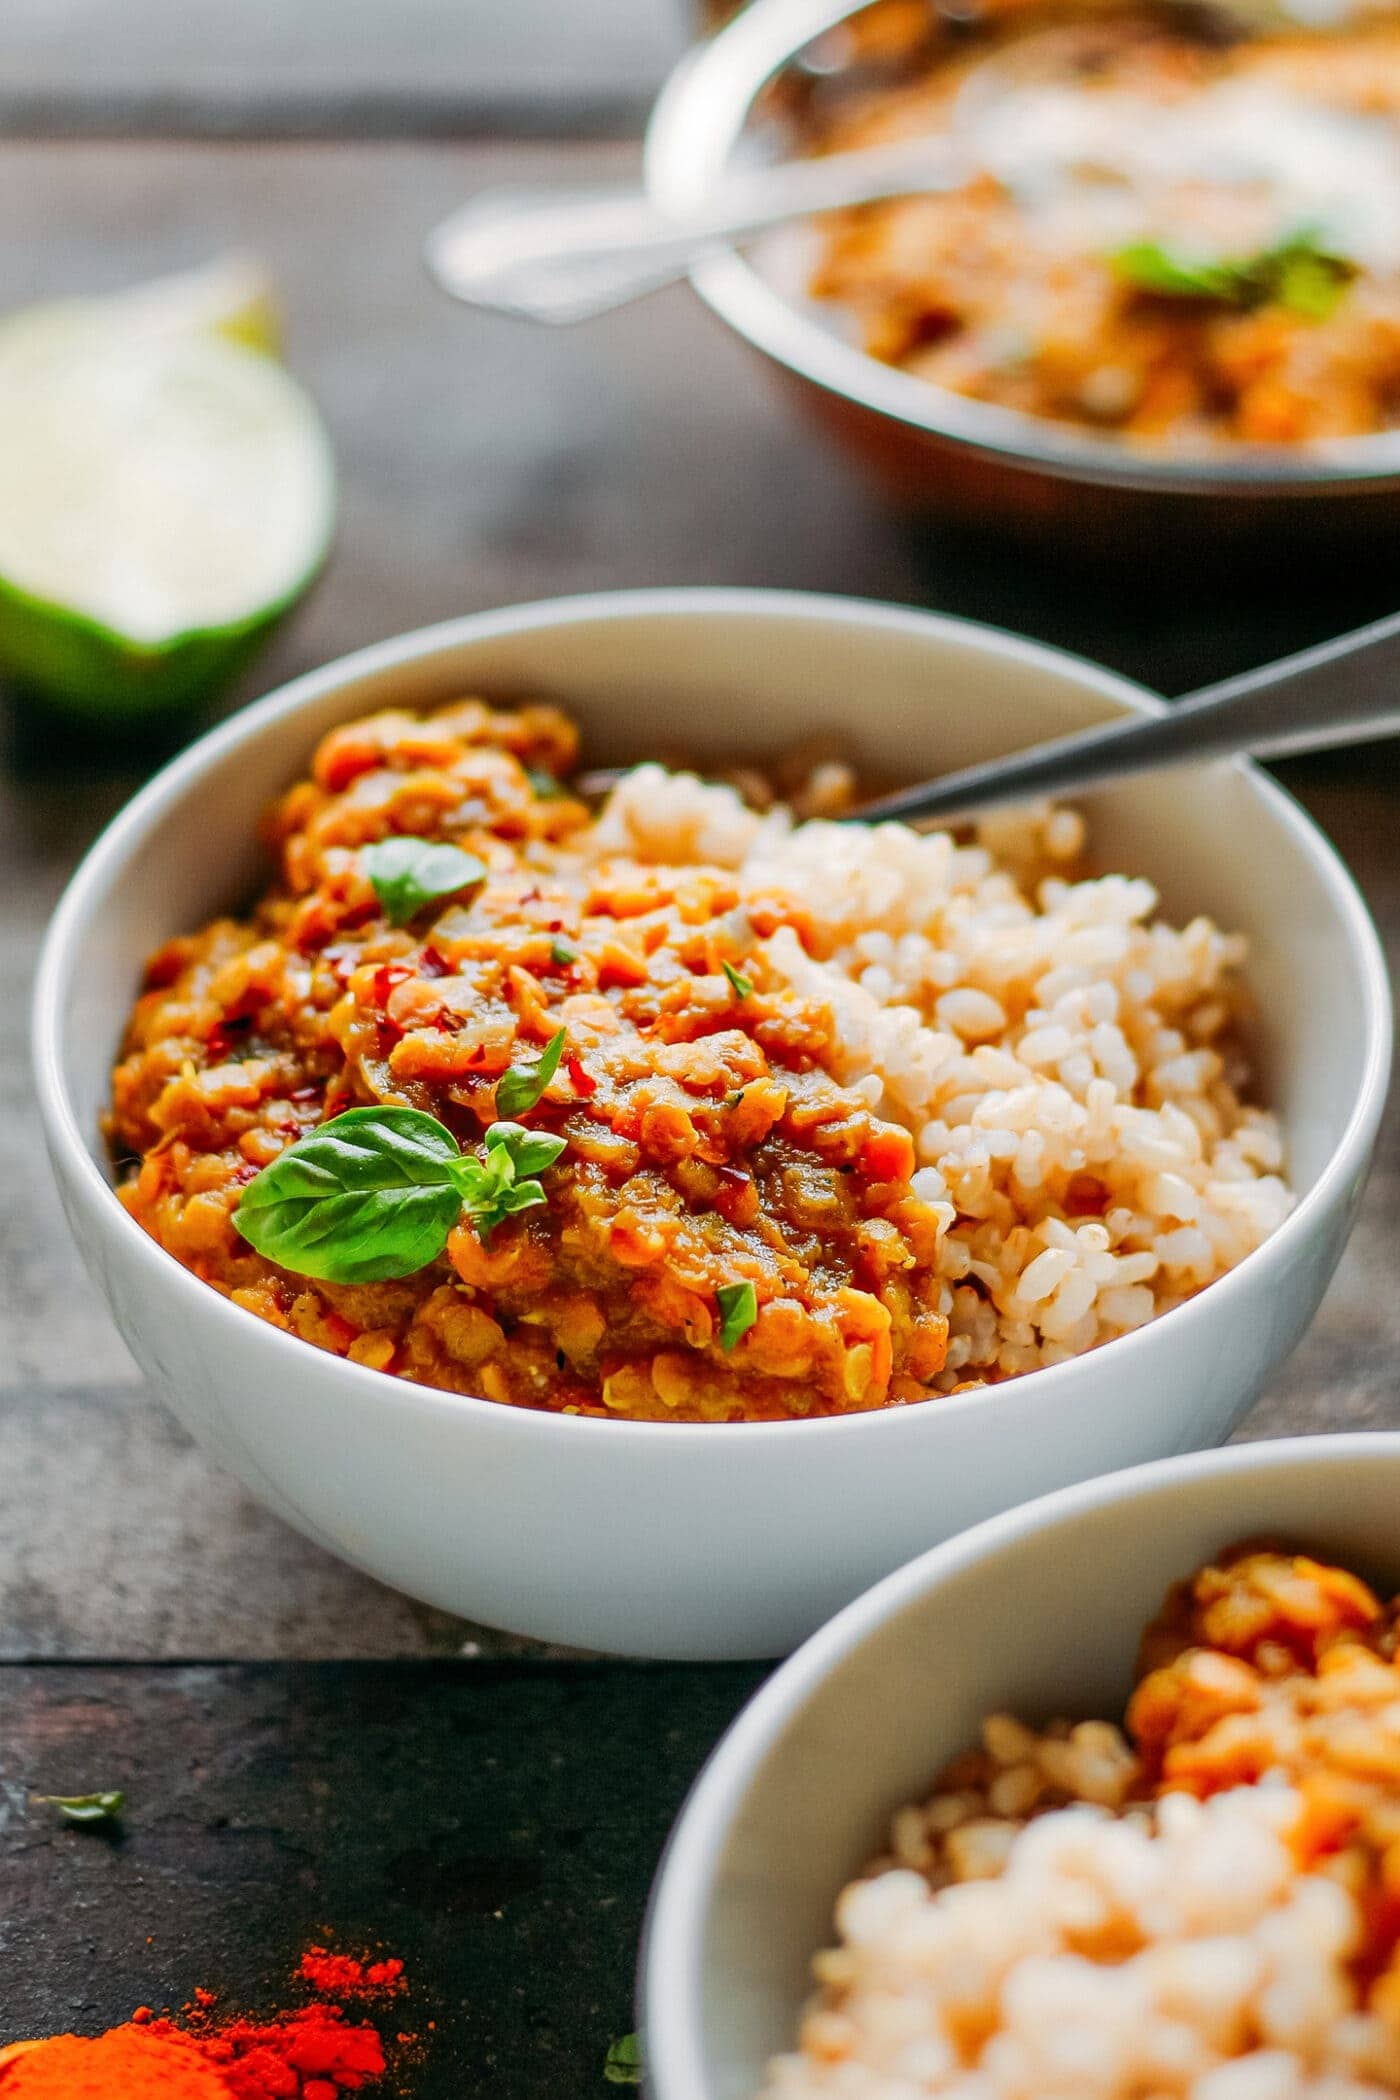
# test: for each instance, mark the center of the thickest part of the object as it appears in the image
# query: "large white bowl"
(1037, 1613)
(712, 1540)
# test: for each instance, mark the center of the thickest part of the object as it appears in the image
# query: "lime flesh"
(166, 494)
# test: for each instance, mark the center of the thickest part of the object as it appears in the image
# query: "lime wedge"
(166, 493)
(233, 295)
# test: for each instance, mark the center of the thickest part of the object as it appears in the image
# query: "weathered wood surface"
(494, 1825)
(321, 68)
(484, 462)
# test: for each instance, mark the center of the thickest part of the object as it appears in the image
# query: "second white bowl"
(1037, 1613)
(713, 1540)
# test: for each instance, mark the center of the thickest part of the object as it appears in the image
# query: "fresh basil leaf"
(562, 952)
(623, 2064)
(374, 1194)
(87, 1808)
(1312, 285)
(522, 1195)
(531, 1151)
(738, 1308)
(1152, 267)
(520, 1087)
(371, 1195)
(408, 873)
(1302, 273)
(742, 985)
(503, 1185)
(547, 787)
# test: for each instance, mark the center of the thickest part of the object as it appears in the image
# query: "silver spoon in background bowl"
(563, 255)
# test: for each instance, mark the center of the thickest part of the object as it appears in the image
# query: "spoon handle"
(563, 255)
(1341, 692)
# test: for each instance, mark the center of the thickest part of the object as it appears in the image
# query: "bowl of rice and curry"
(565, 1167)
(1097, 1802)
(1158, 291)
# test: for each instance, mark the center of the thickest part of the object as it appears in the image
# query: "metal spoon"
(1341, 692)
(566, 254)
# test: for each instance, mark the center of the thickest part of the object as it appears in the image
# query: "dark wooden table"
(302, 1747)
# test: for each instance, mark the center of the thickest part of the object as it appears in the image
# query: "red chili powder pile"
(312, 2053)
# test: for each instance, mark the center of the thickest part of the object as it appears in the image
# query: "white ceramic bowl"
(1037, 1613)
(711, 1540)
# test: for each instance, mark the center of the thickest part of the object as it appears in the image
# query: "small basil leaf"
(1301, 273)
(623, 2064)
(1310, 284)
(738, 1307)
(1152, 267)
(531, 1151)
(520, 1087)
(562, 952)
(407, 873)
(522, 1195)
(742, 985)
(369, 1196)
(87, 1808)
(502, 1184)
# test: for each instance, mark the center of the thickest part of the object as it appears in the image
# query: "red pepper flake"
(584, 1086)
(385, 978)
(433, 963)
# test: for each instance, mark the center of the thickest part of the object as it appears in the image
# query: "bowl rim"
(694, 126)
(152, 803)
(669, 1982)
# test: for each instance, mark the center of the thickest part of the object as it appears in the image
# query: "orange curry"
(707, 1145)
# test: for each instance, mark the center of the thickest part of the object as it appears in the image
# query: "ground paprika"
(313, 2053)
(127, 2061)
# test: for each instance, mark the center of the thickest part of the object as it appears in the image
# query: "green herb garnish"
(738, 1309)
(742, 985)
(733, 1100)
(562, 952)
(623, 2064)
(546, 786)
(373, 1194)
(1300, 273)
(87, 1808)
(408, 873)
(520, 1087)
(1311, 282)
(507, 1184)
(1151, 267)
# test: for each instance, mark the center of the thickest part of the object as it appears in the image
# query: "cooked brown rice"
(1052, 1044)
